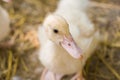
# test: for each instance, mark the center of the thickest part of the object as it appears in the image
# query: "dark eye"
(55, 31)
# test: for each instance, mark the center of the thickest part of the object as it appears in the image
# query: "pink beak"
(70, 46)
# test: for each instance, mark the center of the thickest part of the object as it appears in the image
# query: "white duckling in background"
(67, 39)
(4, 23)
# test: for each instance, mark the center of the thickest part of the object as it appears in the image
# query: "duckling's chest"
(56, 59)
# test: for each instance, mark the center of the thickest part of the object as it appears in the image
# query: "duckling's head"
(57, 30)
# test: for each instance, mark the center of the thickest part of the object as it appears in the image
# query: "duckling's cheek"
(58, 39)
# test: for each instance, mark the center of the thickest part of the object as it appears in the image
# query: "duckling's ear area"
(71, 47)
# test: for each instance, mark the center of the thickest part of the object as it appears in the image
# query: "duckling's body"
(54, 57)
(4, 24)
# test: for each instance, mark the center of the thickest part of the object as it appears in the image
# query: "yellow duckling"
(61, 51)
(67, 39)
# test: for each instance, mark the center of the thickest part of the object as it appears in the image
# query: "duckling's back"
(66, 4)
(70, 7)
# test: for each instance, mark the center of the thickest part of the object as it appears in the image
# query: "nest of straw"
(17, 51)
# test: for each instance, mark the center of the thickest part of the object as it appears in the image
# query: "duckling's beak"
(71, 47)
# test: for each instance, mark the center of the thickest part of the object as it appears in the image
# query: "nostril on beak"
(69, 44)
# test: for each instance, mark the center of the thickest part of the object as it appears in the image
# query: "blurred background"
(18, 59)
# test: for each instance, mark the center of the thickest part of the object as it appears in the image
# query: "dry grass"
(16, 51)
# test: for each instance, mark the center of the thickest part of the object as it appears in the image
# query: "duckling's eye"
(55, 31)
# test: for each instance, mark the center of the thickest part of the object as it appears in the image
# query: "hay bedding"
(16, 51)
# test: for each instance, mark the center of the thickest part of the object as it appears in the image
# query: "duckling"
(67, 39)
(4, 23)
